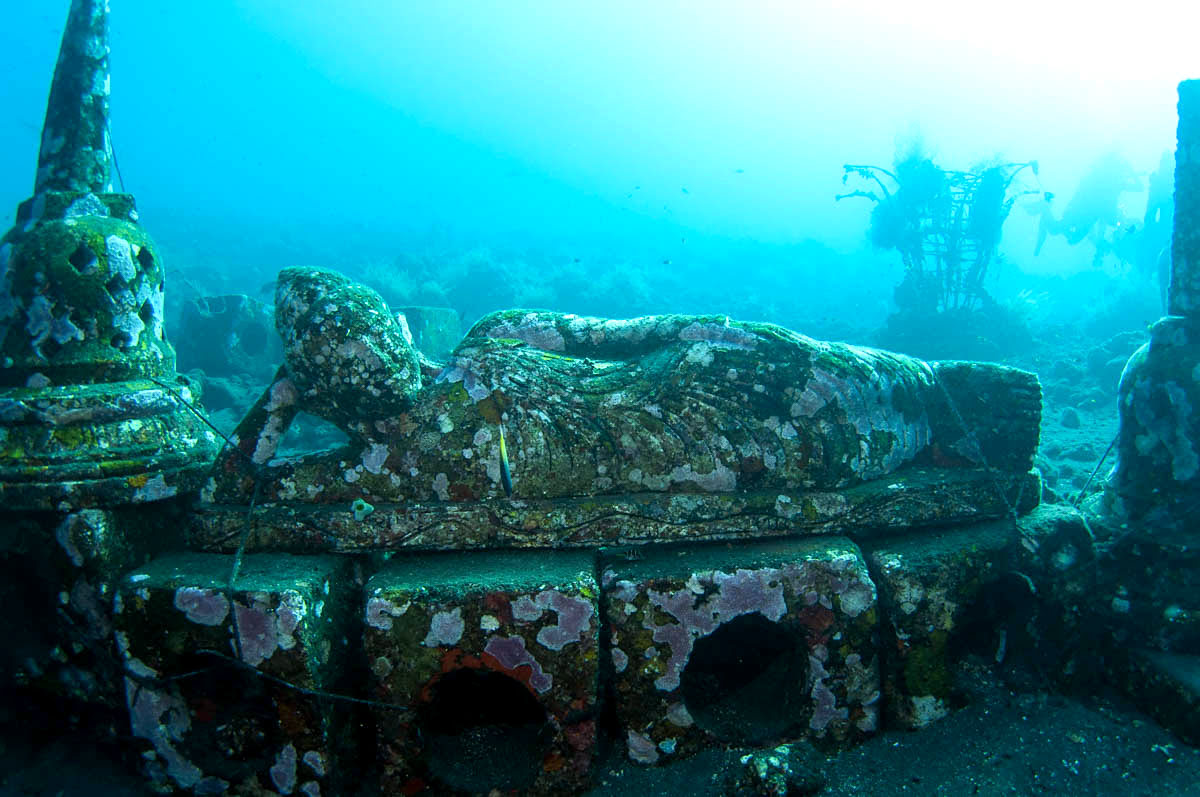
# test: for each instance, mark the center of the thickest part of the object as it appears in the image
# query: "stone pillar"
(1184, 293)
(1157, 478)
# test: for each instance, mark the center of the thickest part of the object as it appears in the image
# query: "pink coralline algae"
(283, 773)
(161, 717)
(721, 336)
(739, 593)
(380, 612)
(641, 748)
(460, 369)
(511, 653)
(525, 609)
(825, 708)
(574, 616)
(574, 619)
(203, 606)
(534, 330)
(263, 629)
(256, 633)
(446, 628)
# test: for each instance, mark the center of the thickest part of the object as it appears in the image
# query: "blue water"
(606, 157)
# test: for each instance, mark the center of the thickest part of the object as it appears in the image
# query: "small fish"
(739, 171)
(684, 190)
(505, 473)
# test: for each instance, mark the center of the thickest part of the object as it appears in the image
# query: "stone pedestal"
(491, 658)
(766, 641)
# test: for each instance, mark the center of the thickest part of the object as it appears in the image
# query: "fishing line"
(1095, 470)
(113, 149)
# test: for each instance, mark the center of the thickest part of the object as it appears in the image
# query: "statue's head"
(345, 351)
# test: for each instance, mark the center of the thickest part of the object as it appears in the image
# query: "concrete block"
(746, 644)
(932, 597)
(213, 724)
(495, 655)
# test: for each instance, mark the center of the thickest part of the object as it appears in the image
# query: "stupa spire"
(75, 153)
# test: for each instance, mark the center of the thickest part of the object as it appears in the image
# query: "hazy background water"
(638, 155)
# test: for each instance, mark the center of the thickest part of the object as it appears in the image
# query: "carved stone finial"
(76, 154)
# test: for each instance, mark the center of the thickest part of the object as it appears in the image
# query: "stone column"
(1184, 293)
(1157, 478)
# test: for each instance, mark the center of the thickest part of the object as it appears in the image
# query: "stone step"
(1167, 686)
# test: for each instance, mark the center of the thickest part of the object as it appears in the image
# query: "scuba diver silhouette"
(1093, 209)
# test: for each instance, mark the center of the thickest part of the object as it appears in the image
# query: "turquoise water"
(608, 158)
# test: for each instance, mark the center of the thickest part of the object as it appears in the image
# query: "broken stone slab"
(936, 595)
(495, 656)
(910, 498)
(211, 724)
(547, 405)
(1059, 553)
(712, 645)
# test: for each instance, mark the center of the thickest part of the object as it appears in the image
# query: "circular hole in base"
(745, 682)
(490, 720)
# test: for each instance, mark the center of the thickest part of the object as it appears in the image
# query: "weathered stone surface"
(59, 573)
(760, 642)
(81, 301)
(927, 582)
(76, 154)
(100, 445)
(91, 410)
(1146, 587)
(347, 356)
(221, 726)
(496, 656)
(1183, 297)
(911, 498)
(1157, 478)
